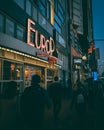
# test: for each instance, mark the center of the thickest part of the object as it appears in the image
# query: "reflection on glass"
(29, 71)
(12, 71)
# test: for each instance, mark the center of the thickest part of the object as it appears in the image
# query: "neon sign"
(51, 59)
(40, 42)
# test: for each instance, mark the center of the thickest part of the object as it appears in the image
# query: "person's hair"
(35, 79)
(56, 78)
(11, 90)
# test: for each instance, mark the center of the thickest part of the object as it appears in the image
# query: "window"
(12, 71)
(43, 2)
(57, 19)
(20, 33)
(41, 8)
(60, 9)
(32, 37)
(1, 23)
(61, 17)
(34, 13)
(28, 7)
(9, 27)
(48, 10)
(20, 3)
(31, 70)
(55, 5)
(57, 27)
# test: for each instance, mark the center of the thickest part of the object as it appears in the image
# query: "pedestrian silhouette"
(55, 92)
(33, 101)
(69, 87)
(74, 95)
(9, 117)
(80, 100)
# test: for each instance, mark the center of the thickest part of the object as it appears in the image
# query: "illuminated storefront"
(20, 67)
(33, 41)
(21, 60)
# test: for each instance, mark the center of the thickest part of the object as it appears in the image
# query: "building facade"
(33, 40)
(81, 34)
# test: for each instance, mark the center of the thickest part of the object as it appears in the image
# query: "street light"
(84, 57)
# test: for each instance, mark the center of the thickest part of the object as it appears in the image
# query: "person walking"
(55, 92)
(33, 101)
(9, 108)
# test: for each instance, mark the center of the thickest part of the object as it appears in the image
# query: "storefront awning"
(75, 53)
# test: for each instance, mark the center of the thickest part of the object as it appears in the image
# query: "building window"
(28, 7)
(20, 33)
(57, 27)
(32, 37)
(44, 2)
(58, 17)
(34, 13)
(60, 8)
(20, 3)
(9, 27)
(48, 10)
(56, 5)
(41, 7)
(12, 71)
(30, 70)
(1, 23)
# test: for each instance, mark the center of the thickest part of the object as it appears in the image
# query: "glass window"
(60, 9)
(12, 71)
(50, 77)
(32, 37)
(55, 4)
(31, 70)
(28, 7)
(48, 10)
(20, 3)
(57, 27)
(61, 17)
(20, 33)
(1, 23)
(9, 27)
(57, 19)
(34, 13)
(41, 8)
(44, 2)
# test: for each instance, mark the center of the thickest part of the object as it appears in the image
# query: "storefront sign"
(40, 42)
(77, 61)
(51, 59)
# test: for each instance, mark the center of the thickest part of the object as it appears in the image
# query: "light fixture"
(84, 57)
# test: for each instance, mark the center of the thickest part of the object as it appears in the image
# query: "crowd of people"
(26, 112)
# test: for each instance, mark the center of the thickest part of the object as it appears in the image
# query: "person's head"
(35, 79)
(56, 78)
(11, 90)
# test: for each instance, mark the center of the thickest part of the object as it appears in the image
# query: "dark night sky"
(98, 24)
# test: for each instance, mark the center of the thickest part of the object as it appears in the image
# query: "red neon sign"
(47, 45)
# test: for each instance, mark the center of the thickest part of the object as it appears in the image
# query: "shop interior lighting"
(9, 50)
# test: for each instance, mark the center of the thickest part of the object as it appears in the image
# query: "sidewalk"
(70, 119)
(65, 118)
